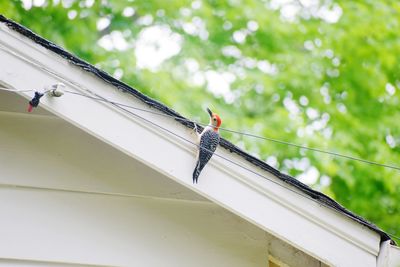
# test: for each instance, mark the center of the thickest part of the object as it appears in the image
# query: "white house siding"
(120, 231)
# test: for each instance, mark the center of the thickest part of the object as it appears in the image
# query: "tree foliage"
(318, 73)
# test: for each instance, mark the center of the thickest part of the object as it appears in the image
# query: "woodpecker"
(208, 142)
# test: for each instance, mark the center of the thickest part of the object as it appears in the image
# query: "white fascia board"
(317, 230)
(394, 256)
(389, 256)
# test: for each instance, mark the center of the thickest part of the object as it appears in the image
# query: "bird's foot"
(195, 130)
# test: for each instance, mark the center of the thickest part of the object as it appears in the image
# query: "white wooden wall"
(91, 229)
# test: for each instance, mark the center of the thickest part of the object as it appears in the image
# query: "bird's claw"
(195, 129)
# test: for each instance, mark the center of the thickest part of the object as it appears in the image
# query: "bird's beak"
(209, 112)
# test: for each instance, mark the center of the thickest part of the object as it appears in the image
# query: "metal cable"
(247, 134)
(231, 131)
(15, 90)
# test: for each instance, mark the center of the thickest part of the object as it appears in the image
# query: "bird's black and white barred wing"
(208, 144)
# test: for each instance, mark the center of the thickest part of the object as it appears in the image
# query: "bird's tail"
(196, 172)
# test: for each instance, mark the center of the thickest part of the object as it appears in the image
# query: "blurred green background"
(318, 73)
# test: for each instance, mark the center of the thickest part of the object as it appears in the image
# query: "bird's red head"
(215, 120)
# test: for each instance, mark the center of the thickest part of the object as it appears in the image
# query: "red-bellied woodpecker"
(208, 142)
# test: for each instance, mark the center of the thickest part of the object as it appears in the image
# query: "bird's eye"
(214, 119)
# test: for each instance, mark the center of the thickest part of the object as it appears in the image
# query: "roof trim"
(317, 196)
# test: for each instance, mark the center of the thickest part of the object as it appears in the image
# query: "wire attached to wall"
(121, 106)
(55, 90)
(231, 131)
